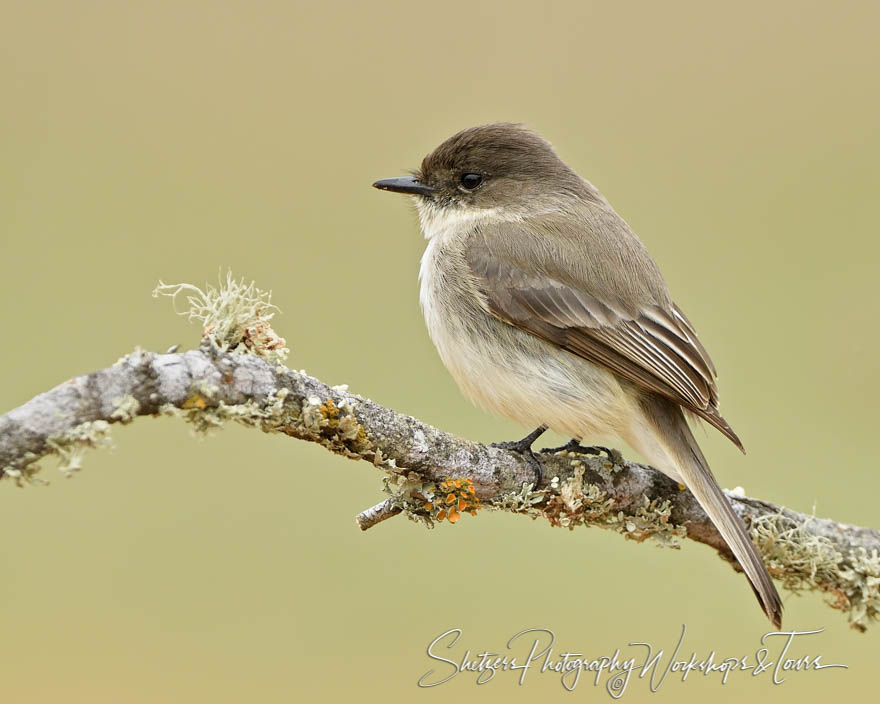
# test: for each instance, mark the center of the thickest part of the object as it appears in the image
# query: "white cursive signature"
(534, 650)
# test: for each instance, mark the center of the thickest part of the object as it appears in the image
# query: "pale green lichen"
(860, 577)
(573, 502)
(805, 561)
(235, 316)
(71, 445)
(312, 418)
(125, 409)
(526, 501)
(334, 426)
(169, 409)
(25, 471)
(792, 554)
(410, 492)
(270, 414)
(379, 460)
(651, 520)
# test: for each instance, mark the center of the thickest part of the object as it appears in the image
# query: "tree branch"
(376, 514)
(432, 476)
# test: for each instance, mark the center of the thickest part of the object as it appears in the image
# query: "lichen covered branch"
(431, 476)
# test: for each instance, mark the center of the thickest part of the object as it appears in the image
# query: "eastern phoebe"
(548, 309)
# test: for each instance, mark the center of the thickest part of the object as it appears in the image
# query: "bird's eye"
(471, 181)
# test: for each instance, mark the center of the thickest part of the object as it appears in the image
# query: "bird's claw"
(574, 446)
(524, 448)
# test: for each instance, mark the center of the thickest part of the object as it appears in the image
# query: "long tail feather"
(695, 474)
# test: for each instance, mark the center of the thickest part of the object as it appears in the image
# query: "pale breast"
(502, 368)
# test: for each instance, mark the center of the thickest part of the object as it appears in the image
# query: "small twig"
(367, 518)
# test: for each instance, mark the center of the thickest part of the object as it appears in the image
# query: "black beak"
(404, 184)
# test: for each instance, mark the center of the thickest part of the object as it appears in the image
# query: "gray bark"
(208, 388)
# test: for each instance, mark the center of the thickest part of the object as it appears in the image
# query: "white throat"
(443, 223)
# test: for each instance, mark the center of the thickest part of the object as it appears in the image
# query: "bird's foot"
(524, 447)
(574, 446)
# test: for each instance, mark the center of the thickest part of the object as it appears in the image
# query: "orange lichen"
(330, 411)
(195, 401)
(460, 497)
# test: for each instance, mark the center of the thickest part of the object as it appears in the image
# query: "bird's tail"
(694, 471)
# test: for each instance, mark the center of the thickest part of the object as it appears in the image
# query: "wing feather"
(654, 347)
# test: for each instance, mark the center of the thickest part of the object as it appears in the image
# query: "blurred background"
(169, 140)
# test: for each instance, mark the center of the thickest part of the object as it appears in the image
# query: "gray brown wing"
(655, 348)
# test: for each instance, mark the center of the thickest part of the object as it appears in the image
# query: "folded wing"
(654, 347)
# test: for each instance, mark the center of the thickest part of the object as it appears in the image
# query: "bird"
(546, 308)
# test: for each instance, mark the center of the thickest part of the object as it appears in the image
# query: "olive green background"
(141, 141)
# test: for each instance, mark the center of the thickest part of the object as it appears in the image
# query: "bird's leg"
(524, 447)
(574, 446)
